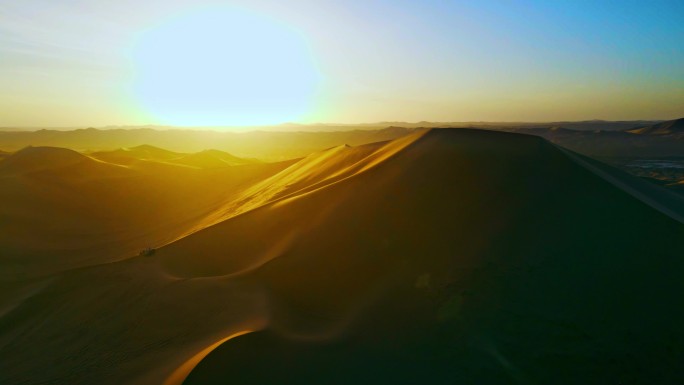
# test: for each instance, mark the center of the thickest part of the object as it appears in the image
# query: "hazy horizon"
(374, 125)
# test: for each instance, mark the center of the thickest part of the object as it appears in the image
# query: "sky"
(76, 63)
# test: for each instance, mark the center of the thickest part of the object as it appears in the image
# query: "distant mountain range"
(582, 125)
(664, 139)
(264, 145)
(595, 138)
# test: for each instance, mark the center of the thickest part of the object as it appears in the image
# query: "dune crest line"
(181, 373)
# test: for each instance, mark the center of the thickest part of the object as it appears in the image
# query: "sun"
(223, 67)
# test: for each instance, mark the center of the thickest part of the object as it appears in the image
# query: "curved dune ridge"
(446, 256)
(145, 151)
(34, 159)
(213, 159)
(314, 171)
(128, 156)
(181, 373)
(665, 201)
(144, 154)
(665, 128)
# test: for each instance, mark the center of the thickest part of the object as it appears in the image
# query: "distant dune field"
(593, 138)
(441, 256)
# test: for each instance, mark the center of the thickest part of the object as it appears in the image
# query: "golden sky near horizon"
(223, 63)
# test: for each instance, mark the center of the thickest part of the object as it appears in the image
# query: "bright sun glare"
(223, 66)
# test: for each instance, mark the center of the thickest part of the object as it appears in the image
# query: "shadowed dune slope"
(466, 256)
(666, 201)
(441, 257)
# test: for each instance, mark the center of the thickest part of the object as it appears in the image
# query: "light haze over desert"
(329, 192)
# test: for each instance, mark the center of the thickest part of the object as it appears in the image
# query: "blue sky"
(69, 63)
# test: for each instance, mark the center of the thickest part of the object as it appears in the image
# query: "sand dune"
(145, 154)
(127, 156)
(670, 127)
(212, 159)
(148, 152)
(65, 209)
(444, 256)
(665, 201)
(34, 159)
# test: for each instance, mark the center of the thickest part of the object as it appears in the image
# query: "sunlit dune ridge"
(36, 159)
(203, 159)
(441, 256)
